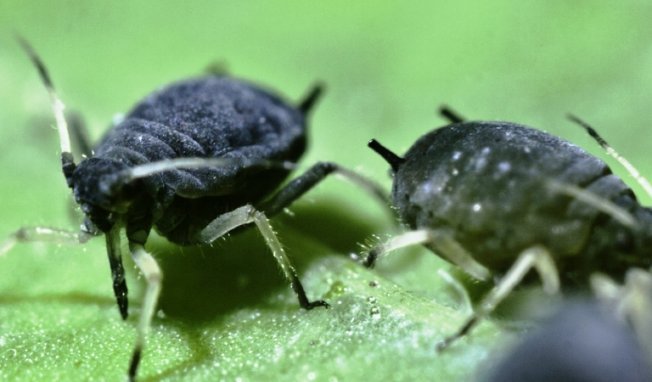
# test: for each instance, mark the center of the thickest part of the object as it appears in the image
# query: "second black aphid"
(498, 198)
(194, 160)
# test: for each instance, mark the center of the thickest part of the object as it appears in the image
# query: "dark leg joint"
(297, 187)
(135, 361)
(461, 333)
(120, 291)
(303, 299)
(370, 260)
(117, 272)
(119, 285)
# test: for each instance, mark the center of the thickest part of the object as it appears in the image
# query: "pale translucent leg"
(246, 215)
(461, 292)
(632, 302)
(599, 203)
(535, 257)
(153, 276)
(439, 240)
(43, 234)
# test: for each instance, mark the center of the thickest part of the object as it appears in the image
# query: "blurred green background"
(226, 313)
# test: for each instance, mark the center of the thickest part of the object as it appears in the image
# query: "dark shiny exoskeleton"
(194, 161)
(498, 198)
(486, 181)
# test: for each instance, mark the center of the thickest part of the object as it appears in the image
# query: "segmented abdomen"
(212, 117)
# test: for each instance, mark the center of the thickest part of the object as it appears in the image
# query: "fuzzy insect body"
(488, 183)
(499, 199)
(194, 160)
(207, 117)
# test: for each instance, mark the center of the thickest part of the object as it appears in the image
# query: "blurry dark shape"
(580, 343)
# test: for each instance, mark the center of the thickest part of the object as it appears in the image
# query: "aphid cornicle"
(193, 160)
(498, 198)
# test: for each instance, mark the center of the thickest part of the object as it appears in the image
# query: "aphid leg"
(450, 114)
(43, 234)
(153, 275)
(457, 287)
(281, 199)
(443, 243)
(631, 302)
(614, 154)
(248, 214)
(440, 241)
(638, 305)
(315, 174)
(117, 270)
(599, 203)
(403, 240)
(605, 288)
(535, 257)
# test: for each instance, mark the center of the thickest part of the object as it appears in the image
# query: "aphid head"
(394, 160)
(100, 190)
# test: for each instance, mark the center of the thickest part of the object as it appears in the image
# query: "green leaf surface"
(226, 312)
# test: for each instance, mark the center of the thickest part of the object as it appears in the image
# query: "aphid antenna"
(67, 160)
(394, 160)
(309, 101)
(451, 115)
(614, 154)
(148, 169)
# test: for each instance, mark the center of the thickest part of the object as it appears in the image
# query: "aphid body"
(193, 160)
(486, 182)
(207, 117)
(498, 198)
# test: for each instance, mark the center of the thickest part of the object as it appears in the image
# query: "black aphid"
(497, 198)
(194, 160)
